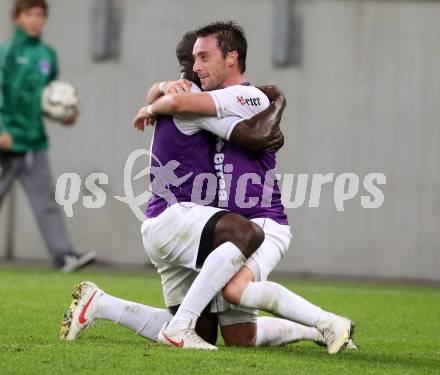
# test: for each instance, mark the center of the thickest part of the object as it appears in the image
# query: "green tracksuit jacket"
(26, 66)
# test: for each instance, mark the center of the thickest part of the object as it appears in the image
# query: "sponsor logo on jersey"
(219, 158)
(219, 145)
(248, 101)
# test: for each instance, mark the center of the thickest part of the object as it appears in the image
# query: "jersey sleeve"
(233, 104)
(186, 122)
(4, 50)
(190, 124)
(239, 100)
(55, 68)
(220, 127)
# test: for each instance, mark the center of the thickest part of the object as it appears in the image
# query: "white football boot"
(185, 338)
(351, 345)
(82, 310)
(337, 331)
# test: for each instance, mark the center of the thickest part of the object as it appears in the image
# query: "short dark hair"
(184, 53)
(230, 37)
(22, 5)
(184, 48)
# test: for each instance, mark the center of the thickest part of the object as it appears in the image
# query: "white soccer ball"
(60, 100)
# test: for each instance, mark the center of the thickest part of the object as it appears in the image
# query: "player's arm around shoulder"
(262, 131)
(220, 103)
(159, 89)
(181, 103)
(175, 104)
(154, 93)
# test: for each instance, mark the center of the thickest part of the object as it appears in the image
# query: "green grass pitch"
(398, 331)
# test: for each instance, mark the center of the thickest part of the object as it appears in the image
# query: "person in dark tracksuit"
(27, 65)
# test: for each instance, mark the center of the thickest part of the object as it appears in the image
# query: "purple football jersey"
(176, 163)
(247, 183)
(239, 180)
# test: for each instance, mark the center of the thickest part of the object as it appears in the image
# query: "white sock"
(219, 268)
(276, 299)
(276, 332)
(146, 321)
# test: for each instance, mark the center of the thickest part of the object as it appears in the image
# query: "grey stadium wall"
(364, 99)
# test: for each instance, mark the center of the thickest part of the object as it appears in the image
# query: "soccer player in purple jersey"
(91, 303)
(143, 319)
(220, 61)
(176, 227)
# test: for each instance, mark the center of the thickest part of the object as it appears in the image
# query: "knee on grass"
(244, 335)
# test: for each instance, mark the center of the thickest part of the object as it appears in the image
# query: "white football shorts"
(172, 242)
(261, 263)
(180, 228)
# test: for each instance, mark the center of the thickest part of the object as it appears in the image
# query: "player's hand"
(143, 118)
(181, 86)
(271, 91)
(276, 142)
(71, 119)
(275, 96)
(6, 141)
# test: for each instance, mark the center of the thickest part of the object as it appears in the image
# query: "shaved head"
(184, 53)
